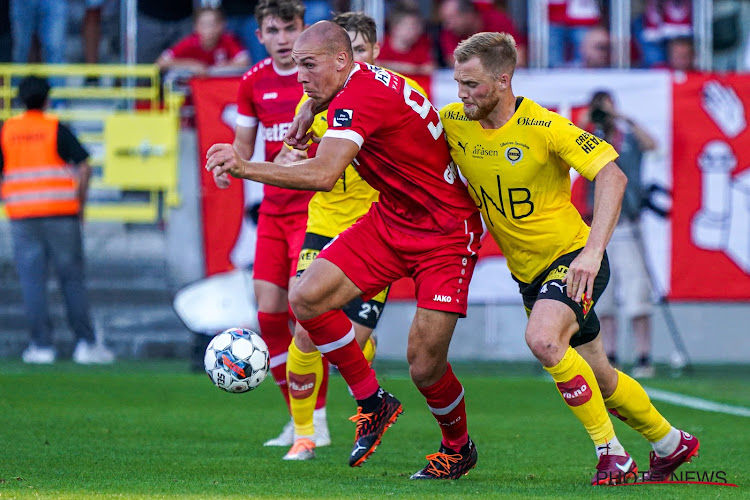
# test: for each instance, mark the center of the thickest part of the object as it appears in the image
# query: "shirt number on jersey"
(423, 110)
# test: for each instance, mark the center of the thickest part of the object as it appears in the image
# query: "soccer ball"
(237, 360)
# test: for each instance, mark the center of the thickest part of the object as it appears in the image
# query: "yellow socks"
(631, 404)
(369, 350)
(304, 374)
(579, 389)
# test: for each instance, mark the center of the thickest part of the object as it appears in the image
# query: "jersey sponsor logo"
(513, 155)
(588, 142)
(519, 200)
(451, 174)
(342, 118)
(462, 146)
(301, 386)
(575, 391)
(383, 77)
(455, 115)
(442, 298)
(480, 151)
(277, 132)
(557, 274)
(270, 95)
(532, 122)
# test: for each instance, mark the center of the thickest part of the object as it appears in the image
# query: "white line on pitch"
(697, 403)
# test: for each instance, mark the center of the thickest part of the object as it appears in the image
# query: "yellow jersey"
(519, 177)
(330, 213)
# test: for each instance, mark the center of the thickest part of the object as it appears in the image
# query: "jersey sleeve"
(234, 47)
(246, 114)
(178, 50)
(581, 150)
(68, 146)
(355, 114)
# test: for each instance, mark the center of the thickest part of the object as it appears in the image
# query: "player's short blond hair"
(496, 51)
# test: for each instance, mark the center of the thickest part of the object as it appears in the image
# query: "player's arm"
(319, 173)
(608, 192)
(244, 143)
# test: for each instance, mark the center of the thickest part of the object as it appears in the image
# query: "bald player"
(425, 226)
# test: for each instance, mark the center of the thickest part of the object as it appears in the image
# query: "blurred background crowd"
(419, 35)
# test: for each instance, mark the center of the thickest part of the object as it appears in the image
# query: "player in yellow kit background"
(329, 214)
(516, 156)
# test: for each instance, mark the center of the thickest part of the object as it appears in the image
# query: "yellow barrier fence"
(132, 137)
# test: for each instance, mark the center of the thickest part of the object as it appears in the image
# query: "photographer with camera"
(630, 287)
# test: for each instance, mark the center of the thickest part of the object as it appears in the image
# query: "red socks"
(333, 335)
(445, 398)
(274, 328)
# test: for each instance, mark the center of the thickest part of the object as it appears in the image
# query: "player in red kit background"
(268, 95)
(425, 226)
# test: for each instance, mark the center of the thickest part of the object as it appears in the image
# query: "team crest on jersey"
(343, 118)
(513, 155)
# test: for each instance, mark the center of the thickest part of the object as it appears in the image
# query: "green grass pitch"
(152, 430)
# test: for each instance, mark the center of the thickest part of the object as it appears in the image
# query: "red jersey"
(403, 152)
(574, 12)
(270, 97)
(190, 47)
(419, 53)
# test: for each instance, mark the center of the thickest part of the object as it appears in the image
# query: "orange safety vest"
(36, 181)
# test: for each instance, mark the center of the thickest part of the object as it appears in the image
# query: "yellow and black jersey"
(330, 213)
(519, 177)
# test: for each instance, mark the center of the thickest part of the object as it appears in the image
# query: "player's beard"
(481, 111)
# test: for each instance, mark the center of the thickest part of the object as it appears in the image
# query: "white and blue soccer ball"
(237, 360)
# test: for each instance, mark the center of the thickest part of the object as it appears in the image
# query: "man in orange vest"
(44, 182)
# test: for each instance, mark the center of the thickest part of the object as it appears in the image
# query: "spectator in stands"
(661, 21)
(44, 199)
(160, 23)
(406, 47)
(48, 20)
(681, 54)
(462, 18)
(569, 21)
(595, 48)
(208, 47)
(92, 31)
(240, 18)
(629, 285)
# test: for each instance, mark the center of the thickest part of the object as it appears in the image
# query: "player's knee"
(303, 302)
(546, 348)
(425, 370)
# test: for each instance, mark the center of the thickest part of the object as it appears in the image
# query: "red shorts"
(277, 248)
(373, 255)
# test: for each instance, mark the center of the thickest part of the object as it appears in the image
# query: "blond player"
(516, 156)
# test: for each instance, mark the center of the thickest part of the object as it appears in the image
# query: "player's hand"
(222, 159)
(581, 275)
(222, 181)
(298, 134)
(287, 156)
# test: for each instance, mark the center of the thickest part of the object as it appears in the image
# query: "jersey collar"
(284, 72)
(354, 70)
